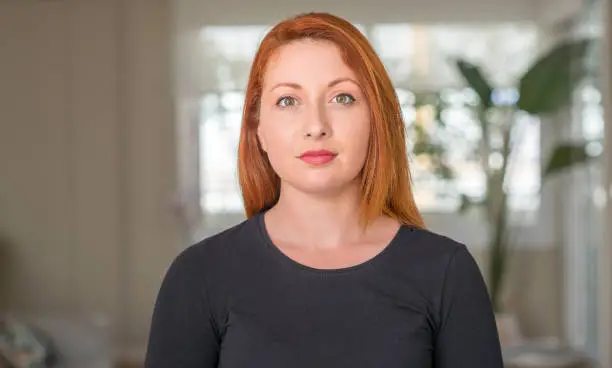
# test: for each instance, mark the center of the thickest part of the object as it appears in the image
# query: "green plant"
(544, 89)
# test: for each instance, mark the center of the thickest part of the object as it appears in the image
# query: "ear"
(262, 141)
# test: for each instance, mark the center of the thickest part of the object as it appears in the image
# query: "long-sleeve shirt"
(235, 300)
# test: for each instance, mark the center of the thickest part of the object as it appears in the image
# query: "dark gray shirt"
(235, 300)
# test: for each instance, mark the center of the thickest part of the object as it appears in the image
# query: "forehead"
(305, 60)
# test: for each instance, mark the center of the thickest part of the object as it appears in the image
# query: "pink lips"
(319, 157)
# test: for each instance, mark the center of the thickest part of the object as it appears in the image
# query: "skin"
(312, 100)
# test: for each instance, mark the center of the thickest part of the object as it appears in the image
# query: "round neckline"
(263, 232)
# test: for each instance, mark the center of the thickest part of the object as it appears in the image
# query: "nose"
(316, 124)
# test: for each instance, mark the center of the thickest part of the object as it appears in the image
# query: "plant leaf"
(425, 98)
(465, 204)
(439, 110)
(565, 156)
(476, 80)
(423, 148)
(443, 171)
(549, 82)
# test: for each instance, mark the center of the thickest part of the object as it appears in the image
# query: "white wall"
(553, 11)
(237, 12)
(34, 164)
(605, 261)
(87, 156)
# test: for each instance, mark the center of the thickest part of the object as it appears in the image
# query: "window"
(585, 200)
(417, 59)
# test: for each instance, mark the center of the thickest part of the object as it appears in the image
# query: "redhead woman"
(333, 266)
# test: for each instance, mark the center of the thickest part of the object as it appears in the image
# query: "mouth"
(319, 157)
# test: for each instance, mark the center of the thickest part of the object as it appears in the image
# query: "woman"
(333, 267)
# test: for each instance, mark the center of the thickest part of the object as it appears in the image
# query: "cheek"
(355, 136)
(362, 137)
(279, 150)
(279, 141)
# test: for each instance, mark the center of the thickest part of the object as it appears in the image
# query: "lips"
(318, 157)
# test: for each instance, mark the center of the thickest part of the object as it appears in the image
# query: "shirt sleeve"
(467, 336)
(182, 331)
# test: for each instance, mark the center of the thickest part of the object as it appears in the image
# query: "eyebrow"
(330, 84)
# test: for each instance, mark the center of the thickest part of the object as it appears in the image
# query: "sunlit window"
(418, 61)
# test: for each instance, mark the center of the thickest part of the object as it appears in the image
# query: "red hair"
(385, 180)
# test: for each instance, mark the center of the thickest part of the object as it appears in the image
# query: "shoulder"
(453, 255)
(433, 249)
(427, 260)
(451, 266)
(216, 251)
(224, 240)
(440, 267)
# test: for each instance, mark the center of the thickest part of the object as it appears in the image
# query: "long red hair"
(385, 180)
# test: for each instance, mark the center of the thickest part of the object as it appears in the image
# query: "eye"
(286, 101)
(344, 99)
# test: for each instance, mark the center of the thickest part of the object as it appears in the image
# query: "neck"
(327, 221)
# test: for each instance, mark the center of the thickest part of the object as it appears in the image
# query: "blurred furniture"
(521, 352)
(79, 342)
(545, 355)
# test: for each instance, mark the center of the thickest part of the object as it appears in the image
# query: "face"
(314, 120)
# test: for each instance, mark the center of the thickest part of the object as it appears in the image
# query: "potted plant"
(544, 89)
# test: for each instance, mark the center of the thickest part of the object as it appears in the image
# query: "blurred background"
(119, 122)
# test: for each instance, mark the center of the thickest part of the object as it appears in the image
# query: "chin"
(322, 186)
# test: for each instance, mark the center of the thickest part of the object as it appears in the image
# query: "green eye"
(344, 99)
(286, 101)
